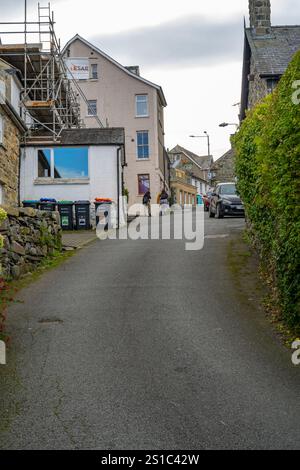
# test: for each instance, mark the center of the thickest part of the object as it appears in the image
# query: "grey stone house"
(223, 169)
(268, 50)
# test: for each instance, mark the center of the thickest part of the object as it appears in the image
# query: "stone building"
(12, 128)
(223, 169)
(268, 50)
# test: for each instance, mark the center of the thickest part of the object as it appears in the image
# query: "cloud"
(15, 8)
(189, 41)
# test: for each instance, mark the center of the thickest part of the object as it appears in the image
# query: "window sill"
(54, 181)
(142, 117)
(143, 159)
(91, 116)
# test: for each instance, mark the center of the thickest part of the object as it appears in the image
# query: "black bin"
(98, 204)
(65, 209)
(82, 215)
(48, 205)
(33, 204)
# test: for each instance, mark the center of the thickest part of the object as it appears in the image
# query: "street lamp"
(206, 136)
(226, 124)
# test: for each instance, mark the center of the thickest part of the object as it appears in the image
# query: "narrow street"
(143, 345)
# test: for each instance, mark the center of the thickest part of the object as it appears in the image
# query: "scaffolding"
(49, 99)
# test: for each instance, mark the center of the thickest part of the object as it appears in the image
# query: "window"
(228, 190)
(92, 108)
(63, 162)
(1, 129)
(143, 144)
(142, 105)
(94, 71)
(71, 162)
(44, 163)
(143, 183)
(272, 84)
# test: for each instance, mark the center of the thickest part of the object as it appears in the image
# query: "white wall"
(102, 177)
(15, 95)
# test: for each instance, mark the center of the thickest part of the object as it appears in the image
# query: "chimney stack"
(260, 16)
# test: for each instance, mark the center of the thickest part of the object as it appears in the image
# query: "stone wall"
(224, 168)
(9, 161)
(29, 236)
(258, 89)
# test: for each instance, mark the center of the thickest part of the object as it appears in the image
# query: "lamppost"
(206, 136)
(226, 124)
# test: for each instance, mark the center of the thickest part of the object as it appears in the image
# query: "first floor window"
(143, 183)
(94, 71)
(141, 102)
(44, 163)
(92, 108)
(143, 144)
(71, 162)
(63, 162)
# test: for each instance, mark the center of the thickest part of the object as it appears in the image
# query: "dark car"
(226, 201)
(206, 200)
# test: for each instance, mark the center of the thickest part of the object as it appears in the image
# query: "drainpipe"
(118, 184)
(19, 178)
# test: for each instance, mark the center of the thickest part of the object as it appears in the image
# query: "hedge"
(268, 171)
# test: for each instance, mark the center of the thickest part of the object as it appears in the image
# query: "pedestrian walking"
(147, 202)
(163, 202)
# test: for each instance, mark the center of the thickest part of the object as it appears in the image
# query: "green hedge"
(268, 170)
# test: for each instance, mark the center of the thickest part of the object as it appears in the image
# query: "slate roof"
(227, 156)
(273, 53)
(117, 64)
(204, 161)
(97, 136)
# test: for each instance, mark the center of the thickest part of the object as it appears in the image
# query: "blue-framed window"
(63, 162)
(143, 144)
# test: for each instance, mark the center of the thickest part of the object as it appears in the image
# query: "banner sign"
(78, 68)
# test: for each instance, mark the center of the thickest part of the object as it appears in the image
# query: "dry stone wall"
(29, 236)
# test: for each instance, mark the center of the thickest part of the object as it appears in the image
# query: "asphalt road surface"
(143, 345)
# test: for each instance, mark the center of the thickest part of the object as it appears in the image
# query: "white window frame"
(140, 159)
(136, 105)
(88, 108)
(52, 165)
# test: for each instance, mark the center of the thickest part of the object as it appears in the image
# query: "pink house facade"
(114, 96)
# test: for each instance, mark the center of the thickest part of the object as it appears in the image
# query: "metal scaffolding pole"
(49, 98)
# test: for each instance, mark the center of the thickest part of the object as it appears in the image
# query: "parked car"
(206, 200)
(226, 201)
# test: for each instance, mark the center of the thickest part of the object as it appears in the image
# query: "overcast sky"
(192, 48)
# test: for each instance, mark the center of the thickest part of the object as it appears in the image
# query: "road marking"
(213, 237)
